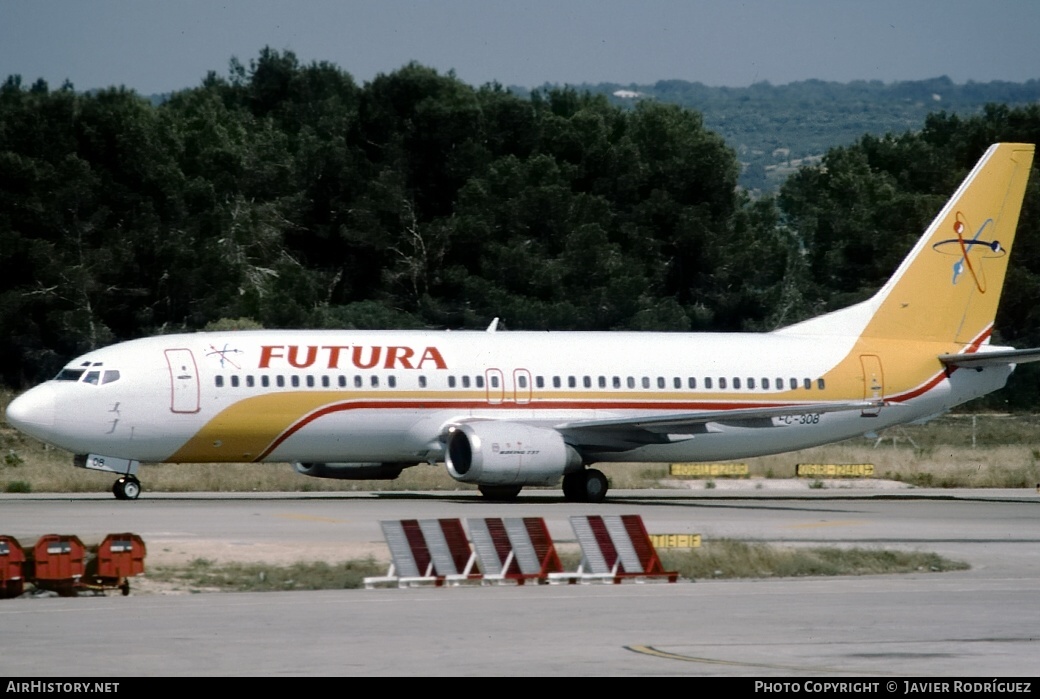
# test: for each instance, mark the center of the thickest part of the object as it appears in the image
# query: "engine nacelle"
(508, 453)
(351, 471)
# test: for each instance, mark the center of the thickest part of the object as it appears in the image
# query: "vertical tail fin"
(948, 287)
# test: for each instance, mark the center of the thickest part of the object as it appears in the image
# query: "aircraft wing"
(626, 432)
(977, 360)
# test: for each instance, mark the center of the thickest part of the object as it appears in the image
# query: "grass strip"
(722, 559)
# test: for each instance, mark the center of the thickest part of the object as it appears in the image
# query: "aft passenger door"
(873, 381)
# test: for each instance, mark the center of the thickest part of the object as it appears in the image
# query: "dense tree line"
(775, 127)
(287, 195)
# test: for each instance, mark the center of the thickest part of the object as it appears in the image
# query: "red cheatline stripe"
(935, 380)
(570, 404)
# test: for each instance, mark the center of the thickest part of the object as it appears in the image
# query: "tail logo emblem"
(971, 251)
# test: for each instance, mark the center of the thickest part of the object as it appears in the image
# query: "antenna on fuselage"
(494, 326)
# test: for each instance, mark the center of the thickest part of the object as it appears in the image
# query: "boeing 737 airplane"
(507, 409)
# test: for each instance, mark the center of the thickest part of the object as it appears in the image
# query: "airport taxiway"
(982, 621)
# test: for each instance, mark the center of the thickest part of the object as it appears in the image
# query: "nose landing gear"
(127, 488)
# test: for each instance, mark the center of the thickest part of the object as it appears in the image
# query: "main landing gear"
(127, 488)
(589, 485)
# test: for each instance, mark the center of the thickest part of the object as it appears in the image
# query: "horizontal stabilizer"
(977, 360)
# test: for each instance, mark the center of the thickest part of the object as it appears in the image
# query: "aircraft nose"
(33, 410)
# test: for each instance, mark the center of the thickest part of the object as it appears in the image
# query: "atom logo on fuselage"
(971, 251)
(223, 354)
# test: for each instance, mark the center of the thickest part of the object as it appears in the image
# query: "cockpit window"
(110, 375)
(92, 377)
(69, 375)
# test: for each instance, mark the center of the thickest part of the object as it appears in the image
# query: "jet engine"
(351, 471)
(508, 453)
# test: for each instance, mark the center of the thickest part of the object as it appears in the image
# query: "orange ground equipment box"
(58, 563)
(119, 558)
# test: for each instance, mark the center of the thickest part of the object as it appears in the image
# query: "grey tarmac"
(983, 621)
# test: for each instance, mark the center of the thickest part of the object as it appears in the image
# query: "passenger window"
(691, 382)
(494, 381)
(631, 382)
(556, 382)
(375, 381)
(234, 381)
(603, 382)
(110, 376)
(794, 383)
(722, 382)
(265, 381)
(479, 381)
(571, 382)
(646, 382)
(219, 381)
(250, 381)
(820, 384)
(707, 382)
(358, 381)
(807, 383)
(617, 382)
(325, 382)
(736, 383)
(751, 383)
(294, 380)
(677, 382)
(660, 382)
(451, 382)
(765, 383)
(310, 381)
(522, 381)
(280, 380)
(465, 382)
(587, 381)
(422, 382)
(391, 381)
(539, 381)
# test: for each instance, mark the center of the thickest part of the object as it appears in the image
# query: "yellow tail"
(948, 287)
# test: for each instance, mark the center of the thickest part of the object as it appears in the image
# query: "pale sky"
(160, 46)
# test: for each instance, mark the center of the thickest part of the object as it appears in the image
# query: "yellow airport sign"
(708, 470)
(676, 541)
(835, 470)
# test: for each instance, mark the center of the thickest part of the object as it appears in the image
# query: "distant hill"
(776, 128)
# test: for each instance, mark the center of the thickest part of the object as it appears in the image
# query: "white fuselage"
(390, 396)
